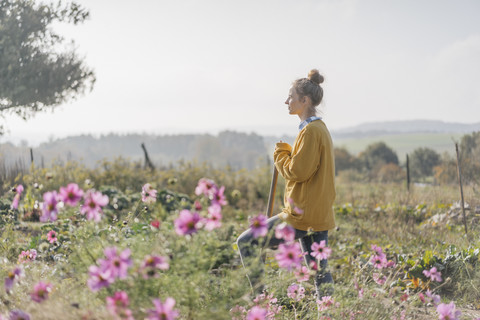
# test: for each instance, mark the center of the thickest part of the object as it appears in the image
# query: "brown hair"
(310, 87)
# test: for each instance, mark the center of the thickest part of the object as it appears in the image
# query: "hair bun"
(315, 76)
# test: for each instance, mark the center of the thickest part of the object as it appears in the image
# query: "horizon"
(265, 132)
(205, 67)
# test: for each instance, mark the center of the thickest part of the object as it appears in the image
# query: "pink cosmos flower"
(52, 236)
(320, 251)
(403, 314)
(378, 250)
(325, 303)
(433, 274)
(261, 298)
(289, 256)
(422, 297)
(92, 207)
(358, 288)
(27, 256)
(19, 315)
(273, 309)
(258, 225)
(297, 210)
(379, 278)
(285, 231)
(163, 311)
(151, 264)
(238, 312)
(12, 276)
(207, 187)
(155, 223)
(296, 292)
(187, 223)
(118, 306)
(379, 261)
(197, 205)
(435, 298)
(256, 313)
(99, 278)
(302, 274)
(49, 207)
(214, 218)
(149, 195)
(41, 291)
(117, 263)
(448, 311)
(360, 293)
(390, 264)
(71, 195)
(269, 303)
(16, 199)
(219, 197)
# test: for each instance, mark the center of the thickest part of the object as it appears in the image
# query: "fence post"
(31, 155)
(459, 172)
(147, 159)
(408, 174)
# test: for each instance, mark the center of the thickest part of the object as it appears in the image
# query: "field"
(403, 143)
(162, 246)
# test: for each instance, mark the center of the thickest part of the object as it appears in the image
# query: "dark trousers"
(247, 244)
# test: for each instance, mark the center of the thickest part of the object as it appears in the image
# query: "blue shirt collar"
(304, 123)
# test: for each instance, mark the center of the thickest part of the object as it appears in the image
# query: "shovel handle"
(271, 196)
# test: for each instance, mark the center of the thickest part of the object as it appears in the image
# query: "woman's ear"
(306, 100)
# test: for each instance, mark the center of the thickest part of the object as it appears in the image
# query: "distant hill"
(237, 149)
(407, 126)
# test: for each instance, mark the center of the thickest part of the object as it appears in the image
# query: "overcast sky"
(194, 66)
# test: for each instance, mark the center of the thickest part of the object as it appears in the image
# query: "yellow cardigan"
(309, 172)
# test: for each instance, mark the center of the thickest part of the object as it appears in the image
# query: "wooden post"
(31, 155)
(147, 159)
(459, 172)
(408, 174)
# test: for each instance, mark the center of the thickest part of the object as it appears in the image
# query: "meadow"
(124, 242)
(403, 143)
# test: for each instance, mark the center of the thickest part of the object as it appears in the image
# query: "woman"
(309, 172)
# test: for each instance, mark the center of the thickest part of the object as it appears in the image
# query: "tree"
(344, 160)
(375, 157)
(470, 157)
(377, 154)
(422, 162)
(38, 70)
(446, 171)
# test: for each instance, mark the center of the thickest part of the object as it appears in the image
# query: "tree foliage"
(470, 157)
(344, 160)
(38, 68)
(422, 162)
(378, 154)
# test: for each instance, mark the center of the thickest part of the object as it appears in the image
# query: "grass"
(205, 276)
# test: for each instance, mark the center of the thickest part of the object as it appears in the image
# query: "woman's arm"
(301, 165)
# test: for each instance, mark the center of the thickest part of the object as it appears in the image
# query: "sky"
(203, 66)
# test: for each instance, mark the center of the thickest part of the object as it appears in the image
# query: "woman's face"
(295, 104)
